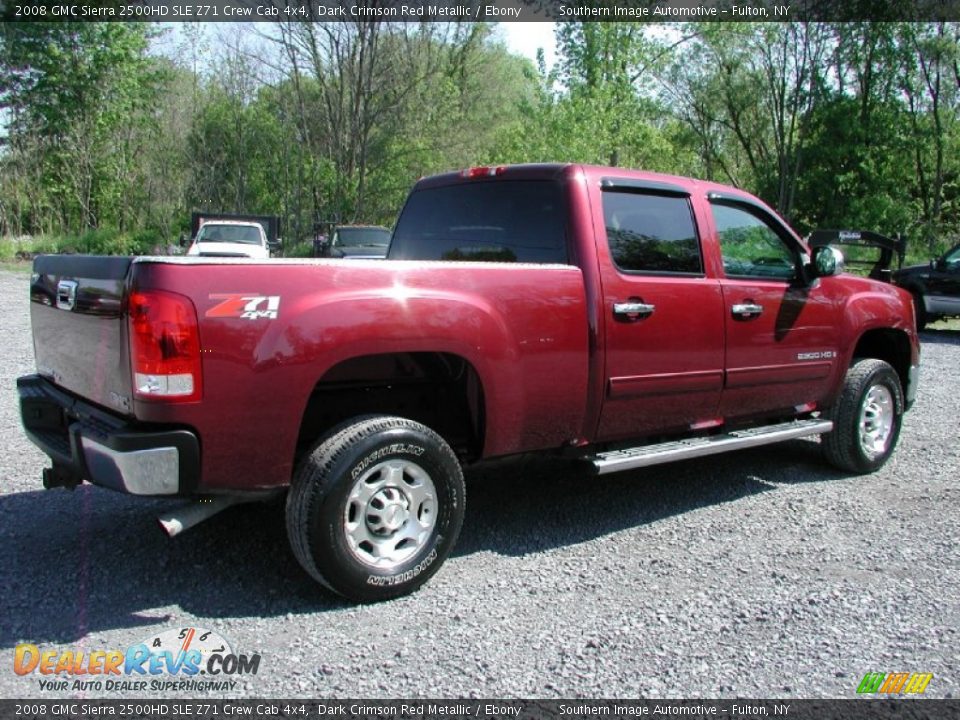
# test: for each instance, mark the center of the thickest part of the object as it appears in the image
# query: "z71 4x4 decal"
(246, 306)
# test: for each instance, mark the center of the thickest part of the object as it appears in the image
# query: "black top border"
(481, 10)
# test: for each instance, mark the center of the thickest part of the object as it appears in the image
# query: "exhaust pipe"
(186, 516)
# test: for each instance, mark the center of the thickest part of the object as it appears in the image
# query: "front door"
(781, 337)
(943, 285)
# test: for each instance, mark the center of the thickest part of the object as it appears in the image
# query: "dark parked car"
(935, 287)
(359, 241)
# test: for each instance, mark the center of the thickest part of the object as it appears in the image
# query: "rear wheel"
(866, 418)
(376, 507)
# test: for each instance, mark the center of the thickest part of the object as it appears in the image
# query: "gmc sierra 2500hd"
(623, 317)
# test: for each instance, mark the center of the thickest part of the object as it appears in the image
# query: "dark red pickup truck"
(623, 318)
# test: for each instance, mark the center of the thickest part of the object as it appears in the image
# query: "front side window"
(650, 233)
(750, 247)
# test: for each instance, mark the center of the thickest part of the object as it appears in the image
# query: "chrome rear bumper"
(86, 443)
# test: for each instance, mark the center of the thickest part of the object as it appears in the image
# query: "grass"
(951, 324)
(10, 248)
(299, 250)
(92, 242)
(919, 254)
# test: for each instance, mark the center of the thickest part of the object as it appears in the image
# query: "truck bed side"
(521, 329)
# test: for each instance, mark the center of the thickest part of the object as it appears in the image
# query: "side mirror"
(933, 264)
(827, 261)
(182, 240)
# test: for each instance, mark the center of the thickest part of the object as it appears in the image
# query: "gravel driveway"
(758, 574)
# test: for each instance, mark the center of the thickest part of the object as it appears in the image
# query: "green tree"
(601, 103)
(75, 94)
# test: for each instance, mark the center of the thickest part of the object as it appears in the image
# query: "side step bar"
(637, 457)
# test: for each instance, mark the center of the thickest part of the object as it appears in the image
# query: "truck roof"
(553, 171)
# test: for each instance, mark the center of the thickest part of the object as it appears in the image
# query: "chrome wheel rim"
(876, 421)
(390, 514)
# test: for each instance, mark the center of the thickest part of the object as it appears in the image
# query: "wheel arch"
(890, 345)
(442, 390)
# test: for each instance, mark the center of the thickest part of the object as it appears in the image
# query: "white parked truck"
(252, 236)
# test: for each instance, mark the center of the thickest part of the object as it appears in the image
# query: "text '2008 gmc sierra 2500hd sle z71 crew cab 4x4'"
(623, 317)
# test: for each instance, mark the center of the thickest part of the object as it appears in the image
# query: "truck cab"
(935, 287)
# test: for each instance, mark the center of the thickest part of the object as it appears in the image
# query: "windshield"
(361, 237)
(244, 234)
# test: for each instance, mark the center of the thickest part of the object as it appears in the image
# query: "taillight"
(164, 346)
(476, 172)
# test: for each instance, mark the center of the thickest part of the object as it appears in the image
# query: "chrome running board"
(645, 455)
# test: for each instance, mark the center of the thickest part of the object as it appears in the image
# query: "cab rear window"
(501, 221)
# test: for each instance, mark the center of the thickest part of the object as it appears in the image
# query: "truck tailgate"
(79, 326)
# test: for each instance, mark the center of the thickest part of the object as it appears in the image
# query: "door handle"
(630, 309)
(746, 310)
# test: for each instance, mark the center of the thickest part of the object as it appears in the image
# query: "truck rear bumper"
(87, 443)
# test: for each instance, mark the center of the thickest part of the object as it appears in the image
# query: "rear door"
(664, 324)
(781, 334)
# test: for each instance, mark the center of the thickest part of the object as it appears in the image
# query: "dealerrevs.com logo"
(189, 659)
(894, 683)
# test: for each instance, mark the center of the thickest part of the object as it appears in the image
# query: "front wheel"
(376, 507)
(866, 418)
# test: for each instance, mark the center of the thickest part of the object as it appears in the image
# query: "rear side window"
(501, 221)
(651, 233)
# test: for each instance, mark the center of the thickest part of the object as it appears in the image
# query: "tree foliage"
(833, 124)
(839, 124)
(80, 98)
